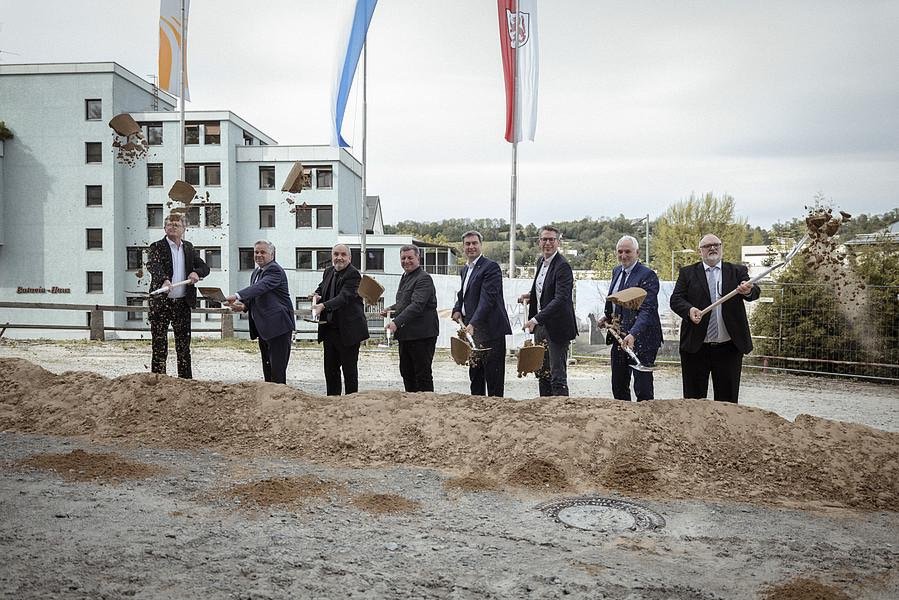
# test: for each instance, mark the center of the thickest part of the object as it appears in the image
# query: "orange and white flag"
(172, 46)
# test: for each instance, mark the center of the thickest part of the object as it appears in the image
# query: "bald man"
(338, 305)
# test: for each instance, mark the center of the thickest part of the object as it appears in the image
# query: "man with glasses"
(716, 342)
(172, 260)
(551, 313)
(641, 329)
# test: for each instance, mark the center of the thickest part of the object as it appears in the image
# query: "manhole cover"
(594, 513)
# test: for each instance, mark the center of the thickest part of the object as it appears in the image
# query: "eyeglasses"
(549, 239)
(710, 246)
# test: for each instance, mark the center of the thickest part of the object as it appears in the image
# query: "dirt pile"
(805, 589)
(79, 465)
(665, 449)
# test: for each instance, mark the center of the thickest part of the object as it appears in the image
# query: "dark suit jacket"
(556, 306)
(692, 289)
(343, 305)
(415, 310)
(644, 323)
(483, 300)
(269, 304)
(159, 264)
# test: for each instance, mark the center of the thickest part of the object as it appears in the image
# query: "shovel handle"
(167, 288)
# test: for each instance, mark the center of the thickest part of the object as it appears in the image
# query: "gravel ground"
(181, 534)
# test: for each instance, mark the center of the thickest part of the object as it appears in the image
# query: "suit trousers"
(488, 370)
(275, 356)
(553, 377)
(723, 361)
(339, 357)
(416, 357)
(177, 312)
(621, 378)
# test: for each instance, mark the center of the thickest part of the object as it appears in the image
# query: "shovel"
(758, 277)
(167, 288)
(637, 367)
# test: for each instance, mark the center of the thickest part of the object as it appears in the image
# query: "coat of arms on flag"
(519, 28)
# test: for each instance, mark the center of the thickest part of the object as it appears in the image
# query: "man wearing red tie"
(716, 342)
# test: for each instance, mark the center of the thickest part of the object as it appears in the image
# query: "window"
(324, 177)
(94, 239)
(95, 282)
(303, 303)
(154, 215)
(307, 179)
(133, 315)
(191, 133)
(304, 259)
(93, 152)
(154, 174)
(153, 132)
(374, 258)
(213, 174)
(193, 215)
(266, 216)
(304, 217)
(213, 214)
(266, 178)
(324, 217)
(212, 133)
(93, 195)
(134, 258)
(213, 258)
(247, 139)
(245, 256)
(323, 259)
(93, 109)
(192, 174)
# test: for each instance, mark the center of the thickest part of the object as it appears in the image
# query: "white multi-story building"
(77, 212)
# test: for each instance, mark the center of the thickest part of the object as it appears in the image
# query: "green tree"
(684, 224)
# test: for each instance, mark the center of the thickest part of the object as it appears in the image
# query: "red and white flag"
(518, 43)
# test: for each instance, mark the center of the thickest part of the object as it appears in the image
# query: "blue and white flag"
(348, 57)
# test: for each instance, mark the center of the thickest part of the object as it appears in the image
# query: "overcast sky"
(641, 103)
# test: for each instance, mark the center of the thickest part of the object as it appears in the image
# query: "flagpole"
(362, 250)
(183, 68)
(515, 126)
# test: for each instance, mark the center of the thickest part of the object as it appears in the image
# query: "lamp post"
(646, 245)
(673, 252)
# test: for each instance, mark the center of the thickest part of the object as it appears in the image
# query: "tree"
(684, 224)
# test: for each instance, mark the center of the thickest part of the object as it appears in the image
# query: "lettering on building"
(42, 290)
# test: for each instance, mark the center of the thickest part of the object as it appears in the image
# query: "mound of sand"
(663, 449)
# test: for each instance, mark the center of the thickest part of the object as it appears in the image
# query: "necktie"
(712, 279)
(622, 284)
(255, 276)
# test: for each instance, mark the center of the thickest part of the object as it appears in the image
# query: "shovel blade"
(642, 369)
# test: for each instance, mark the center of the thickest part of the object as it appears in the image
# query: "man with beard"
(343, 327)
(715, 343)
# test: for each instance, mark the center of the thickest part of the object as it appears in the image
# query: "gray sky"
(641, 103)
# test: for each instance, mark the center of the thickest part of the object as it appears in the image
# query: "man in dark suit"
(415, 324)
(173, 259)
(641, 329)
(272, 320)
(481, 308)
(551, 313)
(337, 303)
(715, 343)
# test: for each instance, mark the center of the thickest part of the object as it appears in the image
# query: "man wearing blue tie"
(641, 329)
(481, 308)
(716, 342)
(272, 320)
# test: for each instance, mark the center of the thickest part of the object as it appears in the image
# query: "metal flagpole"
(183, 68)
(362, 250)
(515, 126)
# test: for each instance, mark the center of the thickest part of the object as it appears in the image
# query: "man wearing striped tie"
(713, 344)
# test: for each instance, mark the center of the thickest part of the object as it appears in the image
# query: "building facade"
(79, 206)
